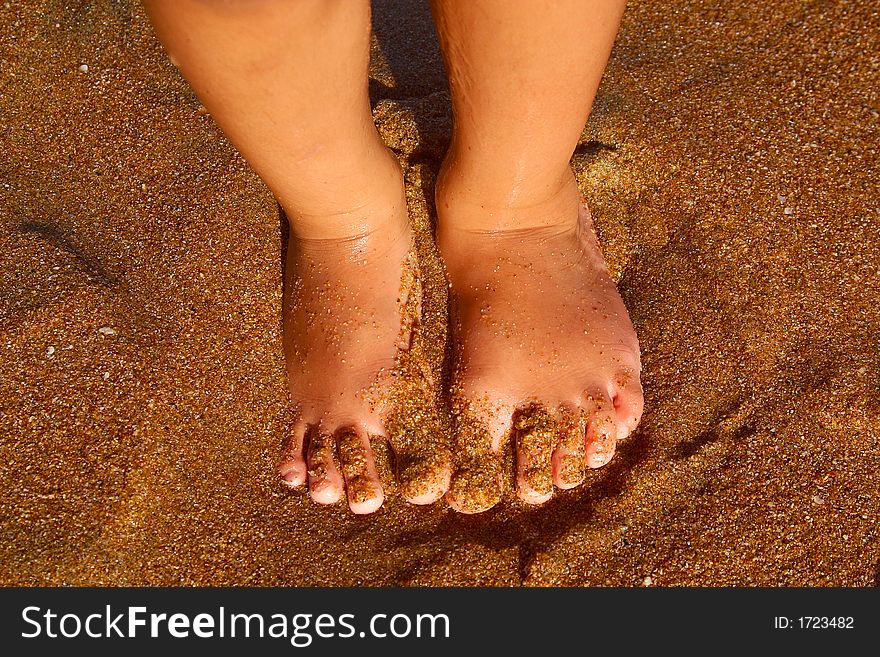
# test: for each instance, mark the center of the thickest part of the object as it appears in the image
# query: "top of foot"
(349, 307)
(545, 350)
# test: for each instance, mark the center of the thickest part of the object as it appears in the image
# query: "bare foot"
(545, 349)
(348, 311)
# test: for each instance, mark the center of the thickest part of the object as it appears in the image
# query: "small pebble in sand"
(781, 199)
(818, 499)
(50, 352)
(648, 581)
(106, 330)
(106, 376)
(787, 210)
(83, 68)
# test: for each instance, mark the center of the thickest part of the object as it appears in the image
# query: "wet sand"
(731, 166)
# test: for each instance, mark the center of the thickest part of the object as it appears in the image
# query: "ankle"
(467, 210)
(362, 201)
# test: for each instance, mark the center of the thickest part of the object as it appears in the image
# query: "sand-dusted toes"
(546, 359)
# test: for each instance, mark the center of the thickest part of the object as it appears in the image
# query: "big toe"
(477, 479)
(424, 474)
(475, 487)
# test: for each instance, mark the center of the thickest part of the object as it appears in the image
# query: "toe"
(477, 479)
(535, 430)
(325, 482)
(601, 430)
(362, 485)
(424, 473)
(629, 402)
(292, 466)
(422, 449)
(570, 455)
(475, 488)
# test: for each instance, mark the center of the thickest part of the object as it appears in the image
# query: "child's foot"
(544, 346)
(344, 324)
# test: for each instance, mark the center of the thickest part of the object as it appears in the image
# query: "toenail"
(571, 469)
(600, 458)
(539, 480)
(474, 491)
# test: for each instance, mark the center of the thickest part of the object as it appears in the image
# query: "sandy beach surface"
(731, 163)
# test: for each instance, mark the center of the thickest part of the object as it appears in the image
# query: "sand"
(731, 166)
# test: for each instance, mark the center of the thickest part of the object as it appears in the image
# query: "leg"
(287, 82)
(544, 345)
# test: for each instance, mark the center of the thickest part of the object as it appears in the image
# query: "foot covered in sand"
(349, 308)
(545, 353)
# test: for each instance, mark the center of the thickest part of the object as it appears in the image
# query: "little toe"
(325, 482)
(601, 431)
(570, 456)
(535, 429)
(292, 465)
(362, 485)
(629, 402)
